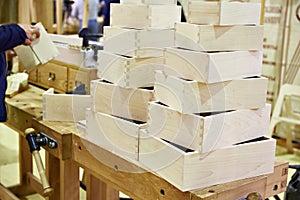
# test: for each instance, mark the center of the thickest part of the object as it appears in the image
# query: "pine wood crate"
(223, 13)
(144, 16)
(115, 134)
(218, 38)
(207, 132)
(189, 170)
(160, 2)
(64, 107)
(128, 71)
(210, 67)
(124, 102)
(189, 96)
(137, 43)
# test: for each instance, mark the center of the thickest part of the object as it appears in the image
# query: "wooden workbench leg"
(63, 178)
(96, 189)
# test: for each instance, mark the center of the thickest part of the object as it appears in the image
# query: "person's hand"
(32, 33)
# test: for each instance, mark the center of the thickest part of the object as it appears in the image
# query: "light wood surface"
(210, 67)
(218, 38)
(112, 99)
(206, 133)
(128, 71)
(160, 2)
(137, 43)
(144, 16)
(194, 97)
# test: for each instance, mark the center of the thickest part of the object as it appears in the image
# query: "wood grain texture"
(205, 133)
(194, 97)
(193, 170)
(218, 38)
(116, 135)
(154, 2)
(223, 13)
(137, 43)
(112, 99)
(144, 16)
(64, 107)
(128, 71)
(211, 67)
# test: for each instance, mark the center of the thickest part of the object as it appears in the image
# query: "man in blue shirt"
(12, 35)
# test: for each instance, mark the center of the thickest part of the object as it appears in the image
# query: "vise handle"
(34, 148)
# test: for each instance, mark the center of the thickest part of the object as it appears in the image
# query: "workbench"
(106, 173)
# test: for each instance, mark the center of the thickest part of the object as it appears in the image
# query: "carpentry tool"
(35, 140)
(90, 48)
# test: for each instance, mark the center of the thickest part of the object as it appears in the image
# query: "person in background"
(78, 10)
(12, 35)
(106, 11)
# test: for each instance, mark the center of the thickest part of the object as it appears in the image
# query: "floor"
(9, 161)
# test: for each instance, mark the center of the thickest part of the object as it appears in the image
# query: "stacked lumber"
(210, 120)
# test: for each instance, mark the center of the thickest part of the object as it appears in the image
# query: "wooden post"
(85, 14)
(59, 25)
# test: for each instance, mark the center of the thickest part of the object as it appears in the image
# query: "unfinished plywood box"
(218, 38)
(117, 135)
(189, 170)
(223, 13)
(205, 132)
(112, 99)
(64, 107)
(128, 71)
(144, 16)
(137, 43)
(39, 52)
(189, 96)
(158, 2)
(210, 67)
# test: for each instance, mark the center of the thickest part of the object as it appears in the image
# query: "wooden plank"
(223, 13)
(137, 43)
(207, 132)
(35, 183)
(6, 194)
(159, 2)
(64, 107)
(210, 67)
(218, 38)
(144, 16)
(114, 134)
(136, 182)
(193, 170)
(128, 103)
(194, 97)
(95, 188)
(81, 76)
(128, 71)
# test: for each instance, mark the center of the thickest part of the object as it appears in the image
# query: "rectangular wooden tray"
(223, 13)
(211, 67)
(137, 43)
(189, 96)
(209, 131)
(218, 38)
(128, 71)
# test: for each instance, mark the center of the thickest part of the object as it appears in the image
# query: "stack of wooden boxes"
(133, 50)
(206, 120)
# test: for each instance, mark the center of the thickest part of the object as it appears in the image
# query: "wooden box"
(64, 107)
(137, 43)
(159, 2)
(223, 13)
(144, 16)
(218, 38)
(39, 52)
(194, 97)
(128, 71)
(210, 67)
(207, 132)
(128, 103)
(189, 170)
(117, 135)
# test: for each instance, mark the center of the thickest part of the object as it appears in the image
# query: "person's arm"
(12, 35)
